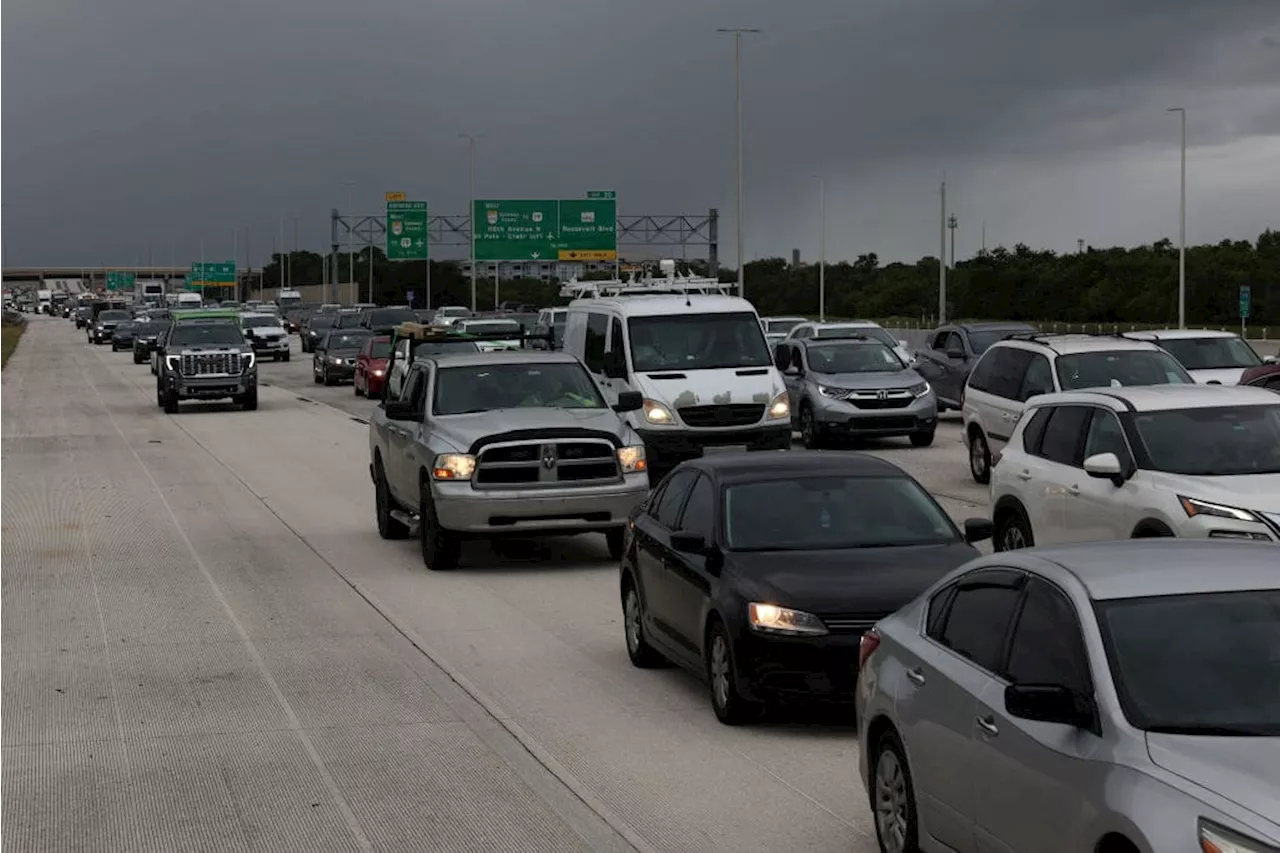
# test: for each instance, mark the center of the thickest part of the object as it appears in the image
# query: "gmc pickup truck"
(518, 442)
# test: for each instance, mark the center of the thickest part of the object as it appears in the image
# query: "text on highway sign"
(407, 235)
(546, 229)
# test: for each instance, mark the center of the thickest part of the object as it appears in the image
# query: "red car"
(371, 366)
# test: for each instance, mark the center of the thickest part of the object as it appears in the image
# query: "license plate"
(724, 448)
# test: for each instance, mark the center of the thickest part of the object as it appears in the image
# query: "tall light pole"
(822, 248)
(351, 245)
(471, 157)
(953, 223)
(942, 261)
(1182, 226)
(737, 77)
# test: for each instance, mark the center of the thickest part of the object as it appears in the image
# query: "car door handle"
(988, 726)
(1024, 475)
(1073, 489)
(916, 675)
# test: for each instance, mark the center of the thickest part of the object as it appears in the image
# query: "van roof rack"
(669, 283)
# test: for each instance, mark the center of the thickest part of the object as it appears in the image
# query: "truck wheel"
(136, 359)
(440, 547)
(317, 377)
(250, 400)
(383, 503)
(328, 380)
(285, 357)
(170, 402)
(615, 537)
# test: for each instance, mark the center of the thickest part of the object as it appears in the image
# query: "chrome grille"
(889, 398)
(211, 364)
(850, 623)
(727, 415)
(542, 463)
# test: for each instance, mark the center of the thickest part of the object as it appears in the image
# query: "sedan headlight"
(1193, 507)
(657, 413)
(1217, 839)
(772, 619)
(780, 407)
(333, 359)
(920, 390)
(453, 466)
(632, 459)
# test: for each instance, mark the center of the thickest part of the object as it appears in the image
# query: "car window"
(1106, 436)
(937, 617)
(1007, 372)
(699, 514)
(1047, 647)
(617, 343)
(939, 341)
(1038, 379)
(667, 510)
(411, 390)
(1120, 368)
(978, 618)
(782, 356)
(1034, 432)
(1061, 440)
(980, 377)
(593, 347)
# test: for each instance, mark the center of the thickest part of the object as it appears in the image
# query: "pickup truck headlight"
(249, 360)
(632, 459)
(171, 361)
(453, 466)
(780, 408)
(1218, 839)
(657, 413)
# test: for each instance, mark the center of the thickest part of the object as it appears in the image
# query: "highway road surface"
(207, 647)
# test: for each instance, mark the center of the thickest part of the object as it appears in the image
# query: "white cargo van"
(187, 299)
(698, 358)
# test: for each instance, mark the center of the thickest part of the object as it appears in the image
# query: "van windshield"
(697, 342)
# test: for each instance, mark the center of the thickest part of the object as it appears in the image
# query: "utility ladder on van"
(671, 284)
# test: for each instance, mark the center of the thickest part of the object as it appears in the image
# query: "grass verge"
(9, 335)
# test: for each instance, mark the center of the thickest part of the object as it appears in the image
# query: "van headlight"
(780, 408)
(657, 413)
(632, 459)
(453, 466)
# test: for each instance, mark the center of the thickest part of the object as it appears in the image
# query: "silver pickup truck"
(519, 443)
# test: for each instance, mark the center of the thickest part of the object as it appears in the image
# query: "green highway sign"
(602, 194)
(212, 274)
(120, 280)
(1246, 297)
(547, 230)
(407, 237)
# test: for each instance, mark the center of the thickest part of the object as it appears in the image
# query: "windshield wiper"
(1207, 730)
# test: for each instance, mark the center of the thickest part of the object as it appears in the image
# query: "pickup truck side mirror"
(402, 410)
(615, 365)
(629, 401)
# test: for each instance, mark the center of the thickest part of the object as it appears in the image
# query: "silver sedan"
(1114, 697)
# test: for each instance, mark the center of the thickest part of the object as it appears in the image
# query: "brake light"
(869, 643)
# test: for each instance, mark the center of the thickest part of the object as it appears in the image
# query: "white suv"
(1018, 368)
(1210, 356)
(809, 330)
(1194, 461)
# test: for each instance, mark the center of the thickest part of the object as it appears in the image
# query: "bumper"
(271, 347)
(798, 669)
(555, 510)
(837, 417)
(101, 337)
(375, 384)
(676, 445)
(211, 387)
(120, 342)
(340, 372)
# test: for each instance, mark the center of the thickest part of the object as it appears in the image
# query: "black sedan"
(122, 335)
(761, 571)
(335, 357)
(314, 330)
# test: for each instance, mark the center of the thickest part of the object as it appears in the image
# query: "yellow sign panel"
(395, 196)
(592, 255)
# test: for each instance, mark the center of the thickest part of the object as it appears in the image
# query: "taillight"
(869, 643)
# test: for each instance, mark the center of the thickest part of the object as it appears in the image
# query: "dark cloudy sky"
(136, 126)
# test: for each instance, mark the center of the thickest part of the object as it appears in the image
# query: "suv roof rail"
(1040, 337)
(840, 336)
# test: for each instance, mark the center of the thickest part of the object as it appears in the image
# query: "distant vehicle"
(371, 366)
(150, 291)
(951, 352)
(315, 328)
(776, 328)
(491, 329)
(145, 335)
(206, 359)
(288, 299)
(449, 313)
(267, 335)
(122, 335)
(1210, 356)
(809, 330)
(381, 321)
(44, 301)
(334, 360)
(104, 326)
(188, 299)
(550, 322)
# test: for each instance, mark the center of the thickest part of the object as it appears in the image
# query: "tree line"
(1112, 285)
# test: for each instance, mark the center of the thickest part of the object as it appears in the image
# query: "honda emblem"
(882, 394)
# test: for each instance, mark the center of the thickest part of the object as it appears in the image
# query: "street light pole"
(1182, 225)
(737, 77)
(942, 261)
(822, 249)
(471, 157)
(351, 246)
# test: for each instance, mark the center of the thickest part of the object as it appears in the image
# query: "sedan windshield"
(484, 388)
(261, 321)
(1120, 368)
(982, 340)
(1217, 442)
(1228, 667)
(380, 348)
(197, 334)
(322, 321)
(833, 513)
(697, 342)
(350, 320)
(114, 315)
(1211, 353)
(853, 358)
(345, 340)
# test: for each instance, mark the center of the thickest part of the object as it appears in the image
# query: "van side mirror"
(793, 370)
(615, 364)
(629, 401)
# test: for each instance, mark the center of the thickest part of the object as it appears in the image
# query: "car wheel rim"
(977, 456)
(720, 671)
(633, 621)
(891, 803)
(1014, 538)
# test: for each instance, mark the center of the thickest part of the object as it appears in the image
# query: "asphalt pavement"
(207, 646)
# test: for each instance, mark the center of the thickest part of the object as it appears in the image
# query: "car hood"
(711, 386)
(463, 431)
(1223, 375)
(875, 581)
(1248, 491)
(870, 381)
(1239, 769)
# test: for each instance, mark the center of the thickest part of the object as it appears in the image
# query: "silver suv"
(854, 387)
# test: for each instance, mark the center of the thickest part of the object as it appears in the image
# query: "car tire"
(810, 431)
(327, 379)
(615, 538)
(383, 503)
(355, 386)
(730, 706)
(643, 655)
(893, 798)
(979, 458)
(922, 439)
(169, 401)
(440, 548)
(317, 377)
(285, 357)
(1012, 531)
(249, 402)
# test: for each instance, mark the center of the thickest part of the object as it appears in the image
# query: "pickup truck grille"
(211, 364)
(586, 462)
(728, 415)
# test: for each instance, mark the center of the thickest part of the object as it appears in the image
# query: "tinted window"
(938, 612)
(322, 321)
(782, 356)
(345, 340)
(379, 348)
(1106, 436)
(205, 333)
(979, 619)
(700, 512)
(114, 315)
(1038, 379)
(1047, 647)
(1035, 430)
(667, 511)
(982, 341)
(413, 387)
(1221, 441)
(348, 321)
(1120, 368)
(1062, 435)
(386, 317)
(617, 343)
(593, 348)
(980, 378)
(1212, 353)
(853, 358)
(1007, 371)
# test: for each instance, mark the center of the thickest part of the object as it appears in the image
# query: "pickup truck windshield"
(484, 388)
(697, 342)
(196, 334)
